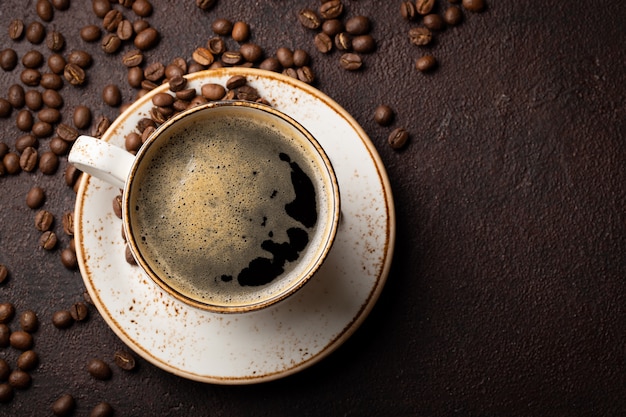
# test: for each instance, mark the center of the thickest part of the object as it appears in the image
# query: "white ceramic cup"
(229, 206)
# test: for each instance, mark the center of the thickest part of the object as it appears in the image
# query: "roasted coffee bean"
(125, 360)
(81, 58)
(62, 319)
(33, 100)
(246, 92)
(154, 72)
(26, 141)
(142, 8)
(74, 74)
(433, 21)
(35, 33)
(52, 98)
(301, 58)
(425, 63)
(48, 163)
(55, 41)
(51, 81)
(4, 149)
(32, 59)
(453, 15)
(102, 409)
(24, 120)
(146, 39)
(384, 115)
(285, 57)
(79, 311)
(251, 52)
(48, 240)
(343, 41)
(240, 32)
(350, 61)
(102, 124)
(11, 163)
(212, 91)
(15, 96)
(363, 44)
(8, 59)
(305, 74)
(222, 26)
(358, 25)
(56, 63)
(111, 43)
(186, 94)
(331, 9)
(44, 10)
(148, 131)
(29, 322)
(7, 311)
(205, 4)
(19, 379)
(128, 255)
(407, 10)
(30, 77)
(231, 57)
(177, 83)
(28, 159)
(65, 404)
(81, 117)
(99, 369)
(323, 43)
(42, 129)
(68, 259)
(140, 25)
(135, 77)
(61, 4)
(474, 5)
(68, 223)
(59, 146)
(112, 19)
(35, 198)
(90, 33)
(16, 29)
(271, 64)
(112, 95)
(132, 58)
(424, 7)
(5, 332)
(6, 393)
(125, 30)
(309, 19)
(21, 340)
(4, 273)
(202, 56)
(67, 133)
(43, 221)
(420, 36)
(216, 45)
(332, 27)
(71, 175)
(163, 100)
(5, 369)
(398, 138)
(126, 3)
(28, 360)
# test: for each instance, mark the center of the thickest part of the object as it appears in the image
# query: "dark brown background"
(507, 294)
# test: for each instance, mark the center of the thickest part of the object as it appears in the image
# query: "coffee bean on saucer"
(7, 311)
(19, 379)
(29, 322)
(99, 369)
(62, 319)
(125, 360)
(28, 360)
(79, 311)
(21, 340)
(64, 405)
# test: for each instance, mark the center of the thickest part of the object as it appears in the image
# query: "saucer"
(281, 339)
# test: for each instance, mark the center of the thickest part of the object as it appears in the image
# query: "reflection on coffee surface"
(224, 211)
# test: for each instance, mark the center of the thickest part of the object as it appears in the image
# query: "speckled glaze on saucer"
(281, 339)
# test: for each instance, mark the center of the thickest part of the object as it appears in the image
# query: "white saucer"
(279, 340)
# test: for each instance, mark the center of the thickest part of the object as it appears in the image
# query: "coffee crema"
(223, 207)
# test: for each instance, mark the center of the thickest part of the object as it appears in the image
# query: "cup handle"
(101, 159)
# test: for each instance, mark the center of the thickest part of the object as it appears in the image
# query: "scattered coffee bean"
(212, 91)
(5, 369)
(146, 39)
(202, 56)
(4, 273)
(140, 25)
(21, 340)
(453, 15)
(135, 77)
(55, 41)
(67, 133)
(420, 36)
(474, 5)
(56, 63)
(68, 259)
(231, 57)
(125, 30)
(102, 409)
(8, 59)
(5, 333)
(285, 57)
(81, 58)
(90, 33)
(271, 64)
(71, 174)
(29, 321)
(52, 98)
(61, 4)
(42, 129)
(424, 7)
(35, 197)
(16, 29)
(177, 83)
(240, 32)
(331, 9)
(111, 43)
(222, 26)
(51, 81)
(407, 10)
(363, 44)
(102, 124)
(112, 95)
(30, 77)
(59, 146)
(33, 100)
(11, 163)
(6, 393)
(398, 138)
(16, 96)
(99, 369)
(132, 58)
(81, 117)
(48, 163)
(251, 52)
(301, 58)
(7, 311)
(65, 404)
(79, 311)
(28, 159)
(323, 43)
(112, 19)
(44, 220)
(68, 223)
(384, 115)
(74, 74)
(433, 21)
(48, 240)
(19, 379)
(44, 10)
(142, 8)
(24, 120)
(350, 61)
(206, 4)
(125, 360)
(425, 63)
(358, 25)
(28, 360)
(62, 319)
(35, 33)
(343, 41)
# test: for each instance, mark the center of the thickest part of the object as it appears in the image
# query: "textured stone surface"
(507, 295)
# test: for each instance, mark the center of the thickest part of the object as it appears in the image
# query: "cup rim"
(328, 239)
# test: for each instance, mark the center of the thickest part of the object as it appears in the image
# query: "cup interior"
(231, 206)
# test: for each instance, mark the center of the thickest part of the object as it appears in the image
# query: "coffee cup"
(229, 206)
